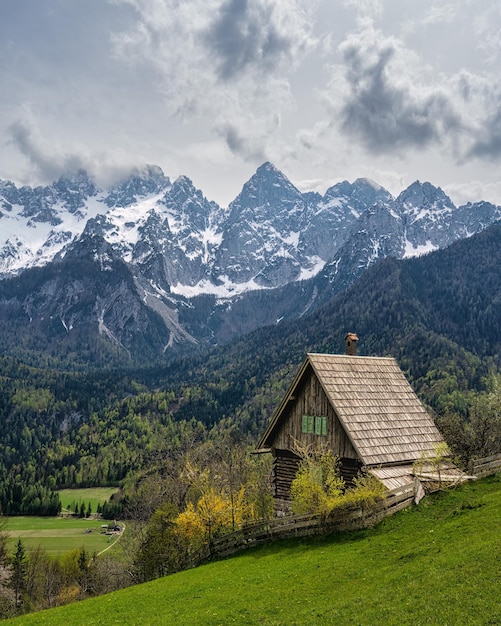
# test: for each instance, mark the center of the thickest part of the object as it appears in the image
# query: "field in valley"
(92, 495)
(58, 535)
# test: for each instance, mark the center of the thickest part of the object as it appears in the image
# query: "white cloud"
(49, 160)
(386, 99)
(486, 31)
(474, 191)
(367, 10)
(441, 14)
(227, 61)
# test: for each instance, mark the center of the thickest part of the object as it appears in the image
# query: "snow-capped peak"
(270, 235)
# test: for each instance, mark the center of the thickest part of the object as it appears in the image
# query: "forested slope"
(439, 315)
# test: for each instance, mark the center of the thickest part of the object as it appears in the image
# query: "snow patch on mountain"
(411, 250)
(224, 289)
(183, 245)
(316, 265)
(27, 243)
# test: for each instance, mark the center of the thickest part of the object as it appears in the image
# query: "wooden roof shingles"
(377, 407)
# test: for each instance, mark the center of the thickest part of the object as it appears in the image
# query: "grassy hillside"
(438, 563)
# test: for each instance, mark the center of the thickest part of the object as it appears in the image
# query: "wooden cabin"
(361, 408)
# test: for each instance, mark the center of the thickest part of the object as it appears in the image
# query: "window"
(314, 424)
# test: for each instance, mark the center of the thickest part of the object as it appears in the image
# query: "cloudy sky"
(393, 90)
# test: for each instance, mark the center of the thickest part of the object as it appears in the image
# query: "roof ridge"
(349, 356)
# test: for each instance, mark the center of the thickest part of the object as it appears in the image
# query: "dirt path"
(114, 543)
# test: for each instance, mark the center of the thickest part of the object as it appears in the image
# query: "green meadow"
(437, 563)
(92, 495)
(57, 535)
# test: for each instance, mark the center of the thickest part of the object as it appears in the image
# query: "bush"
(318, 485)
(319, 489)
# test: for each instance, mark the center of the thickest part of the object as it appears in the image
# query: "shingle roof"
(377, 407)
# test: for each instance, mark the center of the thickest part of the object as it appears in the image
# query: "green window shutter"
(318, 425)
(311, 421)
(312, 424)
(324, 425)
(304, 425)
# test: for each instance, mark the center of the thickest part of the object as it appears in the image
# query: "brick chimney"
(351, 344)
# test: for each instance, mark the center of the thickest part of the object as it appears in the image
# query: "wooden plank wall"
(310, 399)
(284, 469)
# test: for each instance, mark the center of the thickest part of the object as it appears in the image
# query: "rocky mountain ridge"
(199, 273)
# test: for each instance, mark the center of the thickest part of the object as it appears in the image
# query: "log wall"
(284, 470)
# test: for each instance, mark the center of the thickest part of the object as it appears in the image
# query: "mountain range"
(149, 267)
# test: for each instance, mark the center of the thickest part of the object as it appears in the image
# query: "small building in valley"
(361, 408)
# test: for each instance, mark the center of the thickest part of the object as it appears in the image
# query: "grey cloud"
(233, 61)
(243, 36)
(487, 145)
(385, 112)
(249, 150)
(48, 166)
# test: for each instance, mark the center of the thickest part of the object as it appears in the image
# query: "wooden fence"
(486, 466)
(343, 519)
(305, 525)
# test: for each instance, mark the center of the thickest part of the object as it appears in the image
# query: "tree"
(216, 508)
(76, 574)
(18, 576)
(484, 425)
(6, 595)
(109, 574)
(259, 488)
(3, 543)
(43, 579)
(160, 551)
(476, 432)
(209, 517)
(434, 463)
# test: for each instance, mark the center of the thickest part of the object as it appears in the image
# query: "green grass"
(437, 563)
(57, 535)
(94, 495)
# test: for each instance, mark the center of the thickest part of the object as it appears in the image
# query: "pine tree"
(18, 577)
